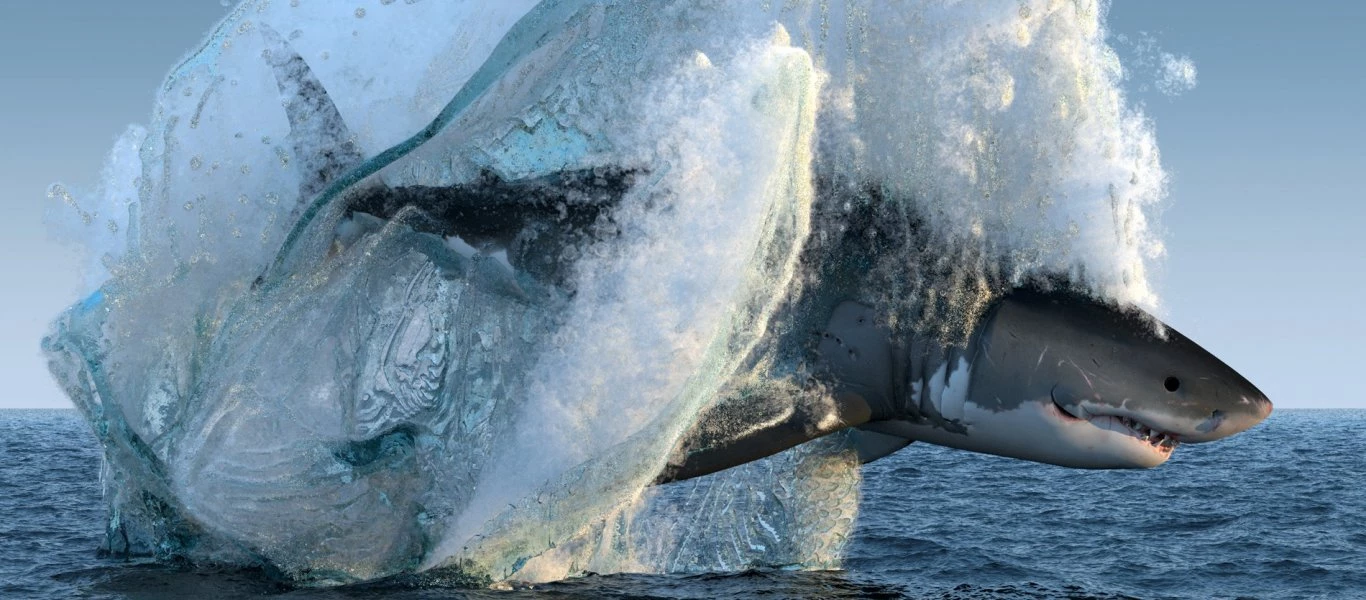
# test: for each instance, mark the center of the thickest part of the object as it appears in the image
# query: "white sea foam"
(1150, 66)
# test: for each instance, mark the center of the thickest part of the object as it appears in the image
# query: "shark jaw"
(1040, 431)
(1137, 429)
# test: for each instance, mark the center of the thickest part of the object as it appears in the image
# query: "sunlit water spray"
(278, 380)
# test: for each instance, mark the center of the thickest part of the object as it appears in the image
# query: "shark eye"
(1172, 384)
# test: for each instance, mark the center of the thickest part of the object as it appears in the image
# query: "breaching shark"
(1052, 377)
(1043, 370)
(1047, 373)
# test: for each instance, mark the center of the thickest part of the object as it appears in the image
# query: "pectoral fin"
(534, 220)
(873, 445)
(759, 422)
(497, 209)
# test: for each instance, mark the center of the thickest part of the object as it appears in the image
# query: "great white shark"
(1054, 377)
(1046, 373)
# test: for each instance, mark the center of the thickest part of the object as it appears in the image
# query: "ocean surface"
(1277, 512)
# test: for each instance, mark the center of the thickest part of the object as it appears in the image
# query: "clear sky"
(1265, 228)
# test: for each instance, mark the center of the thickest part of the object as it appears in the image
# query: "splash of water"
(278, 379)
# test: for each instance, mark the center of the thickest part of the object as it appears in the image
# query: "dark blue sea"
(1277, 512)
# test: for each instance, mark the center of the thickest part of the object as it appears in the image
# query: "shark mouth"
(1158, 440)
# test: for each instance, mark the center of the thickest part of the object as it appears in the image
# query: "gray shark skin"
(1046, 374)
(1097, 364)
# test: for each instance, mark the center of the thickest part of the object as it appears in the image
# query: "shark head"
(1063, 379)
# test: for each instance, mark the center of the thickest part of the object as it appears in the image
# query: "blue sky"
(1265, 227)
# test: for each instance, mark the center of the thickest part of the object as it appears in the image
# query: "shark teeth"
(1160, 440)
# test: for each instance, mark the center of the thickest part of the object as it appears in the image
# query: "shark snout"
(1225, 421)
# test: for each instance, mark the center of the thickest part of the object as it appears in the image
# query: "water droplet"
(58, 191)
(360, 13)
